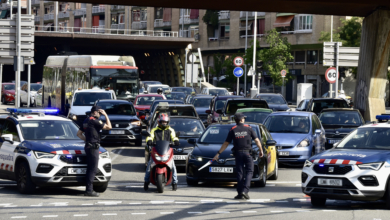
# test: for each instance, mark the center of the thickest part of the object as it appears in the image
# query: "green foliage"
(211, 18)
(248, 56)
(216, 71)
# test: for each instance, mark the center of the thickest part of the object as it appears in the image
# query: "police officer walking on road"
(91, 128)
(242, 136)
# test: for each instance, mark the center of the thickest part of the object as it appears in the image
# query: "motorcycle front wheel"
(160, 183)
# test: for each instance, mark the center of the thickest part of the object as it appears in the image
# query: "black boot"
(245, 195)
(92, 194)
(146, 186)
(174, 186)
(239, 196)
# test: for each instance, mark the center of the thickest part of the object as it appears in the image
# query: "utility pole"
(253, 89)
(18, 51)
(246, 47)
(331, 40)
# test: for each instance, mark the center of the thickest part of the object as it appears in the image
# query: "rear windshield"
(340, 118)
(218, 92)
(201, 102)
(89, 98)
(318, 105)
(155, 104)
(181, 111)
(175, 96)
(232, 106)
(154, 89)
(185, 90)
(273, 99)
(147, 100)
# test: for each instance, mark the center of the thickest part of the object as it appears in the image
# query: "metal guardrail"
(48, 17)
(63, 14)
(139, 25)
(104, 31)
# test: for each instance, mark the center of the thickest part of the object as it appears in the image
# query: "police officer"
(242, 136)
(91, 128)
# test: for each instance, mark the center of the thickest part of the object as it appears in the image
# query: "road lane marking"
(110, 202)
(285, 182)
(249, 211)
(301, 200)
(258, 200)
(50, 216)
(109, 214)
(166, 213)
(162, 201)
(6, 204)
(87, 204)
(233, 202)
(282, 201)
(10, 206)
(19, 217)
(117, 154)
(270, 184)
(302, 210)
(211, 201)
(80, 215)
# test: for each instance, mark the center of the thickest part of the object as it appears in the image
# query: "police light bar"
(26, 111)
(383, 117)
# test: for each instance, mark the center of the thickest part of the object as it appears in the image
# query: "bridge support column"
(373, 63)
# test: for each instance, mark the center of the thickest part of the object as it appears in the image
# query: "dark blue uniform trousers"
(92, 166)
(244, 161)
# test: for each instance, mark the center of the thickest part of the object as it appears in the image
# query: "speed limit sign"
(238, 61)
(330, 75)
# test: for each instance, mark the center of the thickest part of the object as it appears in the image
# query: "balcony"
(80, 12)
(224, 15)
(186, 19)
(35, 2)
(189, 33)
(118, 7)
(251, 14)
(98, 29)
(139, 25)
(98, 9)
(63, 14)
(118, 26)
(37, 19)
(161, 23)
(47, 17)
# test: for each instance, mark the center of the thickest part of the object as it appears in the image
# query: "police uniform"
(242, 136)
(91, 127)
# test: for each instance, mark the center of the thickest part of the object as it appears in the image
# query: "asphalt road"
(125, 198)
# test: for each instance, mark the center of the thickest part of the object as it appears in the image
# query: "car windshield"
(49, 130)
(179, 111)
(318, 105)
(154, 89)
(273, 99)
(288, 124)
(187, 126)
(155, 104)
(89, 98)
(9, 87)
(176, 96)
(220, 104)
(115, 108)
(218, 134)
(233, 105)
(257, 117)
(147, 100)
(35, 87)
(367, 138)
(201, 102)
(185, 90)
(340, 118)
(218, 92)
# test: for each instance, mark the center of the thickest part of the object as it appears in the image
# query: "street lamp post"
(253, 89)
(188, 48)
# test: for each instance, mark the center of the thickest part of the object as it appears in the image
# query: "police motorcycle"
(161, 168)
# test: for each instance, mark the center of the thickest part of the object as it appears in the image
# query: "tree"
(216, 71)
(211, 18)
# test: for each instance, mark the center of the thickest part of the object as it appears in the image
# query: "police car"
(44, 150)
(356, 168)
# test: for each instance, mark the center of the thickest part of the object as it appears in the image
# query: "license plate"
(77, 170)
(330, 182)
(180, 157)
(284, 153)
(333, 141)
(224, 118)
(117, 132)
(221, 169)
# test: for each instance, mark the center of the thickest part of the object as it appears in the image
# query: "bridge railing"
(104, 31)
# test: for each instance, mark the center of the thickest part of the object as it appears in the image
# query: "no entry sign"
(330, 75)
(238, 61)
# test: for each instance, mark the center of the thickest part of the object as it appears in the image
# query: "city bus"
(62, 75)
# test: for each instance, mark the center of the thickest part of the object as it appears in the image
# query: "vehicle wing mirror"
(145, 133)
(219, 111)
(88, 113)
(208, 111)
(270, 143)
(318, 131)
(8, 137)
(191, 141)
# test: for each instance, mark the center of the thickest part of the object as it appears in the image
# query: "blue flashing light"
(26, 110)
(321, 165)
(383, 117)
(68, 156)
(29, 154)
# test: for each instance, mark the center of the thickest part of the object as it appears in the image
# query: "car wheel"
(387, 195)
(192, 182)
(275, 176)
(23, 179)
(263, 180)
(3, 100)
(100, 188)
(315, 201)
(138, 142)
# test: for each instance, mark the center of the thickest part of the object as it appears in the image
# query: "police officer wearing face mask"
(91, 128)
(242, 136)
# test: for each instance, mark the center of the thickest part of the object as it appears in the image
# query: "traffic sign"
(283, 73)
(238, 61)
(192, 58)
(238, 71)
(330, 75)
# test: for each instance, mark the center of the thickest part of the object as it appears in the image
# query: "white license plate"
(333, 141)
(221, 169)
(180, 157)
(77, 170)
(117, 132)
(284, 153)
(330, 182)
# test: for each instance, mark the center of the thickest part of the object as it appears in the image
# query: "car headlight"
(137, 123)
(370, 166)
(41, 155)
(104, 155)
(73, 117)
(193, 157)
(308, 163)
(9, 94)
(304, 143)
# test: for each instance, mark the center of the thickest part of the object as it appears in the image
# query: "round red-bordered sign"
(238, 61)
(330, 75)
(283, 73)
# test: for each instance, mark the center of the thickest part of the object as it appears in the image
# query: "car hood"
(277, 107)
(79, 110)
(210, 150)
(360, 155)
(339, 128)
(288, 139)
(120, 118)
(201, 110)
(51, 146)
(10, 91)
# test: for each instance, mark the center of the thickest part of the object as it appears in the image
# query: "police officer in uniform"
(242, 136)
(91, 128)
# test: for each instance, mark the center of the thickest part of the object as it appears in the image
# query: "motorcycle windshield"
(162, 147)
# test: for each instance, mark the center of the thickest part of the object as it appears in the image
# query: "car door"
(8, 147)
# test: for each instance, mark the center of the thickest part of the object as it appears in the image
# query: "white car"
(153, 88)
(34, 87)
(356, 168)
(215, 91)
(44, 150)
(83, 100)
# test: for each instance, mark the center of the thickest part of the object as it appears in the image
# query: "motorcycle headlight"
(308, 163)
(161, 158)
(370, 166)
(105, 155)
(304, 143)
(41, 155)
(137, 123)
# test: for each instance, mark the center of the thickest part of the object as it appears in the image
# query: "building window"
(114, 19)
(312, 57)
(321, 56)
(224, 31)
(304, 22)
(299, 57)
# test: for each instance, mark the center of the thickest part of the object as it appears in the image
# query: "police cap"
(95, 108)
(239, 116)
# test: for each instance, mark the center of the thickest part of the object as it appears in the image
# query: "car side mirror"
(8, 138)
(271, 143)
(219, 111)
(88, 113)
(191, 141)
(67, 105)
(318, 131)
(351, 104)
(145, 133)
(208, 111)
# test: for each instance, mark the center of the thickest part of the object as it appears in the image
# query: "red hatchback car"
(8, 93)
(144, 101)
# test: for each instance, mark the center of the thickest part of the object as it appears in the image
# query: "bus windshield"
(123, 81)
